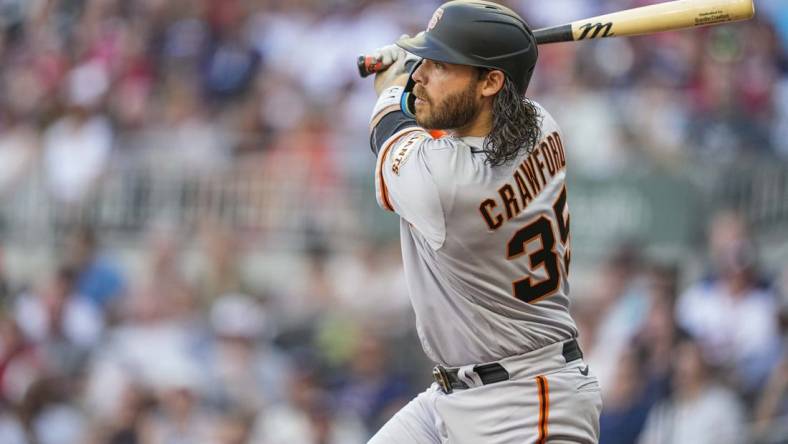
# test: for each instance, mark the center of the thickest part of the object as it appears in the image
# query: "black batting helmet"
(478, 33)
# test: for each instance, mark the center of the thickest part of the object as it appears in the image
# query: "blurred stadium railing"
(664, 210)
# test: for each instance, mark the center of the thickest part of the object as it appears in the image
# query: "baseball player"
(485, 235)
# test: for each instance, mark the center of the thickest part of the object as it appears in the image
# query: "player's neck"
(479, 127)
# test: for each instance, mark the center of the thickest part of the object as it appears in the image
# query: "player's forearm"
(391, 124)
(388, 118)
(386, 80)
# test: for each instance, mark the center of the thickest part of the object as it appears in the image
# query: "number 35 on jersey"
(535, 242)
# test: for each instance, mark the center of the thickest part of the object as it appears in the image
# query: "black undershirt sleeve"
(389, 125)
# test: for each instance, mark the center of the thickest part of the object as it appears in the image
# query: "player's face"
(447, 95)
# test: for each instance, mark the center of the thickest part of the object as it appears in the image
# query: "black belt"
(448, 380)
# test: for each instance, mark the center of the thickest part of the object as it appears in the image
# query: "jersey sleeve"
(404, 178)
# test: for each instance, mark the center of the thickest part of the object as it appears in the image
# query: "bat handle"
(562, 33)
(368, 65)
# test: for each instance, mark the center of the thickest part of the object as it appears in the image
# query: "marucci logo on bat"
(592, 30)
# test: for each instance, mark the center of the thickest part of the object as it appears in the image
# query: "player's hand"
(393, 60)
(389, 54)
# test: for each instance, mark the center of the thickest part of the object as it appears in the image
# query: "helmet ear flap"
(408, 101)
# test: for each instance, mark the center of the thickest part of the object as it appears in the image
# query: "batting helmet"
(478, 33)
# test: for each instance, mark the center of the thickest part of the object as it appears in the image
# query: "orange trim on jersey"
(382, 190)
(381, 114)
(544, 408)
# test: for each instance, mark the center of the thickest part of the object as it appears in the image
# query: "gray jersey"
(486, 250)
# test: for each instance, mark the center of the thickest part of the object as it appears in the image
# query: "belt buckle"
(442, 378)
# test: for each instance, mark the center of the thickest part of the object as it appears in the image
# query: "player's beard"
(454, 111)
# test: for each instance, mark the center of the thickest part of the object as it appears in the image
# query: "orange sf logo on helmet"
(435, 18)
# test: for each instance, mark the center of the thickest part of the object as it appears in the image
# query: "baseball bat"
(668, 16)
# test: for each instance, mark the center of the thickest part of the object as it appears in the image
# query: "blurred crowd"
(201, 340)
(93, 352)
(203, 83)
(683, 359)
(184, 346)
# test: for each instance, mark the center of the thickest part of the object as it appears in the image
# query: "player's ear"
(492, 82)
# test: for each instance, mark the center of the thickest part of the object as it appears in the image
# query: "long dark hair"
(516, 126)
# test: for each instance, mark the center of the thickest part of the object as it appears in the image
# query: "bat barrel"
(679, 14)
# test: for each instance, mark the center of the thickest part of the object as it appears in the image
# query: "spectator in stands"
(129, 422)
(185, 137)
(699, 410)
(21, 364)
(629, 400)
(244, 369)
(727, 116)
(308, 417)
(369, 388)
(50, 415)
(220, 271)
(231, 63)
(771, 408)
(622, 303)
(5, 283)
(658, 334)
(643, 368)
(233, 427)
(370, 286)
(19, 143)
(63, 325)
(158, 337)
(181, 417)
(77, 145)
(98, 278)
(733, 315)
(11, 428)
